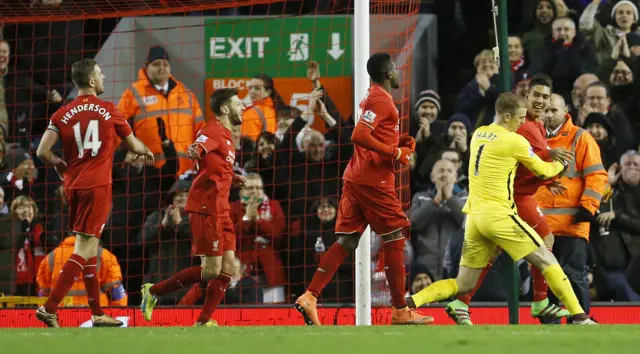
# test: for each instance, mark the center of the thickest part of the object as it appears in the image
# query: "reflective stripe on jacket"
(107, 269)
(585, 180)
(178, 109)
(258, 118)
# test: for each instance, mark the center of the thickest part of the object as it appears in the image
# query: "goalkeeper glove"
(583, 215)
(404, 155)
(408, 141)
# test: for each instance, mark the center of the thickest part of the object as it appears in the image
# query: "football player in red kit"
(369, 196)
(88, 127)
(525, 186)
(213, 235)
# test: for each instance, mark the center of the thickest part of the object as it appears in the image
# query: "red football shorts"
(211, 235)
(529, 211)
(362, 205)
(89, 209)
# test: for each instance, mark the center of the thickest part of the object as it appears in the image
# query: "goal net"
(162, 59)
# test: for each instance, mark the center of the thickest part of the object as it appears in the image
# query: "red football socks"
(395, 272)
(328, 266)
(92, 285)
(540, 286)
(215, 293)
(182, 279)
(71, 269)
(466, 298)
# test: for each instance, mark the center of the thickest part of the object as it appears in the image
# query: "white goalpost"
(361, 85)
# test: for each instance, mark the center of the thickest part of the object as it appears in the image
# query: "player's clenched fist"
(404, 155)
(408, 141)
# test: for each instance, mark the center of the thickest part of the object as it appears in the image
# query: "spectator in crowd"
(522, 84)
(456, 138)
(261, 115)
(477, 99)
(436, 214)
(263, 162)
(577, 107)
(420, 278)
(24, 104)
(569, 213)
(21, 173)
(244, 147)
(427, 134)
(618, 75)
(112, 291)
(461, 166)
(165, 237)
(615, 234)
(259, 224)
(604, 134)
(624, 16)
(534, 35)
(146, 102)
(22, 247)
(597, 99)
(568, 55)
(516, 56)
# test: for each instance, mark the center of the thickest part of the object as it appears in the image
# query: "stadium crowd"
(285, 215)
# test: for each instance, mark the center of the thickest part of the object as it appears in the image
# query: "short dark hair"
(598, 84)
(221, 97)
(541, 80)
(509, 102)
(378, 65)
(81, 72)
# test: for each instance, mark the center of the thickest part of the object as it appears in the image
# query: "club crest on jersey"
(149, 100)
(202, 139)
(369, 116)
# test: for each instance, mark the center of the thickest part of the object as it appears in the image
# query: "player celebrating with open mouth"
(369, 196)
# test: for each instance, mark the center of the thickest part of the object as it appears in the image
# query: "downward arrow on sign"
(335, 52)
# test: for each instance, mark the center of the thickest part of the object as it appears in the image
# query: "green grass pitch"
(326, 340)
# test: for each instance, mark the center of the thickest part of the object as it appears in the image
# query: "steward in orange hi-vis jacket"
(112, 292)
(570, 211)
(161, 107)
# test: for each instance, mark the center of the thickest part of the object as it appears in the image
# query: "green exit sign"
(280, 47)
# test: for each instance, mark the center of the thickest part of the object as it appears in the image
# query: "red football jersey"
(378, 111)
(526, 183)
(209, 193)
(88, 127)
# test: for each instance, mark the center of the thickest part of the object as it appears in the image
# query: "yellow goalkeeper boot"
(148, 301)
(210, 323)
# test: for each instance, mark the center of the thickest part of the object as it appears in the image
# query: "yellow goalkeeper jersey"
(495, 154)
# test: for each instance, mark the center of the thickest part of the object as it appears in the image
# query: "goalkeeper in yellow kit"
(492, 218)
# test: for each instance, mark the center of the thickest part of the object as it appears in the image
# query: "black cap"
(157, 52)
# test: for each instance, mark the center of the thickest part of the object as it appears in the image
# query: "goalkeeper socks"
(328, 266)
(440, 290)
(71, 269)
(215, 292)
(395, 272)
(92, 286)
(540, 286)
(182, 279)
(561, 287)
(466, 298)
